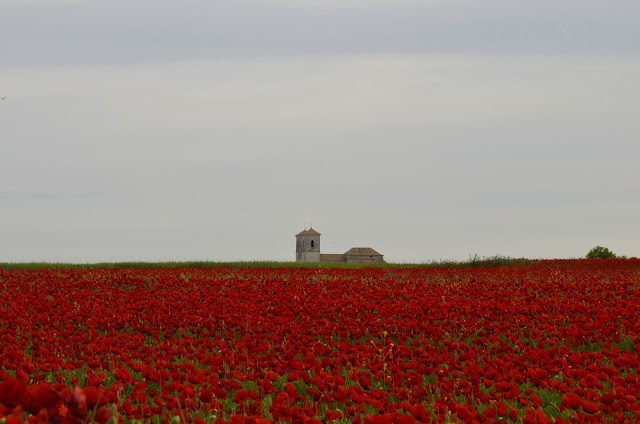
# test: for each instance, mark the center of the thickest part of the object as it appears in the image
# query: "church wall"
(364, 258)
(310, 257)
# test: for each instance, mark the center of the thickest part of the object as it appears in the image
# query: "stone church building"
(308, 250)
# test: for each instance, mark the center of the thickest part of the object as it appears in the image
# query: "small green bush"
(600, 252)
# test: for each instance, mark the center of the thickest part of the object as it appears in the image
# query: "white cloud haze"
(426, 130)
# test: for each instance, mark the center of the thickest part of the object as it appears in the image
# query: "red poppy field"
(545, 341)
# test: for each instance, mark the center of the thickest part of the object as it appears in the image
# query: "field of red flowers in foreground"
(549, 341)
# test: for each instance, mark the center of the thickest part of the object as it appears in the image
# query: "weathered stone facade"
(308, 250)
(362, 254)
(308, 246)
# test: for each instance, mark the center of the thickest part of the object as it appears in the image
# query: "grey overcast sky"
(428, 130)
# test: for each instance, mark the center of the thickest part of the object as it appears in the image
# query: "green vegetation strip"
(474, 262)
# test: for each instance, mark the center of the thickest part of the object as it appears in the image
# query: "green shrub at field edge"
(600, 252)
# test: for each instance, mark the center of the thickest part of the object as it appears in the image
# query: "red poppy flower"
(40, 396)
(572, 401)
(205, 396)
(77, 403)
(607, 398)
(463, 412)
(330, 415)
(11, 392)
(103, 414)
(590, 407)
(405, 419)
(378, 419)
(240, 396)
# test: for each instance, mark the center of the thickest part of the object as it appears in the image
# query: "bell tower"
(308, 246)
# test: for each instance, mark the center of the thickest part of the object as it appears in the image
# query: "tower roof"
(309, 232)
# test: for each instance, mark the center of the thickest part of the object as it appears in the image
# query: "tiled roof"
(332, 257)
(309, 232)
(362, 251)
